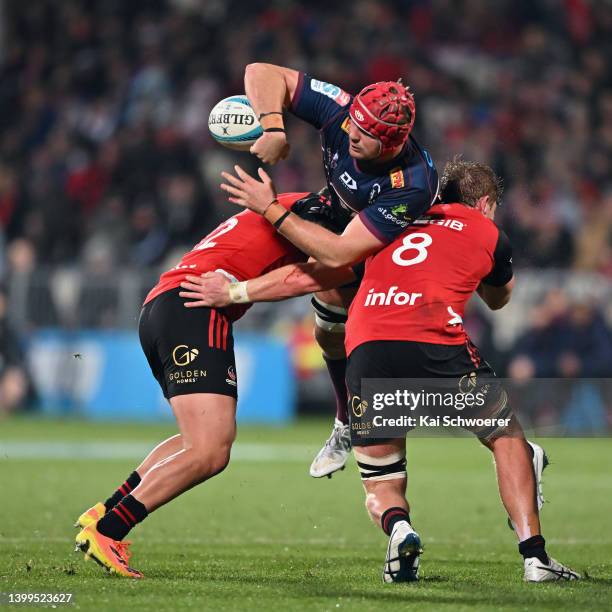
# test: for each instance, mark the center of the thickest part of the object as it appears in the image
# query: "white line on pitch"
(101, 450)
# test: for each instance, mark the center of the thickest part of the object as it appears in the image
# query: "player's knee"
(211, 461)
(219, 463)
(329, 328)
(377, 469)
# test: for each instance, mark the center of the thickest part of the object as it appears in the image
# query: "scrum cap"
(386, 112)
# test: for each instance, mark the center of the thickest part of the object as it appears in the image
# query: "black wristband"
(270, 113)
(280, 220)
(275, 129)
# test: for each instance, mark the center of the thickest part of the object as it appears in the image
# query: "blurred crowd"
(106, 161)
(104, 150)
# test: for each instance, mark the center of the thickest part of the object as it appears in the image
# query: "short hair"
(466, 182)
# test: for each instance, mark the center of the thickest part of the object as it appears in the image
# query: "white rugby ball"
(233, 123)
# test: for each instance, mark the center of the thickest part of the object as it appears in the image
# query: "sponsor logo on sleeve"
(349, 181)
(397, 178)
(389, 215)
(339, 96)
(401, 212)
(345, 125)
(397, 214)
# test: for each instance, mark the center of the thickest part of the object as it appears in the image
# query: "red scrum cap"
(385, 111)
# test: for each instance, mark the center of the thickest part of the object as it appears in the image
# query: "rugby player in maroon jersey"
(191, 354)
(406, 321)
(379, 179)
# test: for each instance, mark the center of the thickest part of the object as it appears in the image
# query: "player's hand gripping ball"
(271, 147)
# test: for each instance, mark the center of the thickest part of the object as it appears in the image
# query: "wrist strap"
(280, 220)
(275, 129)
(274, 201)
(272, 120)
(238, 293)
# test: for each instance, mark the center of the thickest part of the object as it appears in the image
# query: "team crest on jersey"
(345, 125)
(397, 178)
(339, 96)
(231, 376)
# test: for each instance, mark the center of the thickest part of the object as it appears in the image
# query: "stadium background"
(107, 174)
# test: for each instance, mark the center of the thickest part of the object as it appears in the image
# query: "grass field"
(265, 536)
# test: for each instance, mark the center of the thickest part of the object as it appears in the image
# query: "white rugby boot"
(540, 461)
(334, 454)
(536, 571)
(402, 562)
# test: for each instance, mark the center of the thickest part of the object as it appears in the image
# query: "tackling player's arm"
(496, 288)
(270, 89)
(214, 289)
(354, 245)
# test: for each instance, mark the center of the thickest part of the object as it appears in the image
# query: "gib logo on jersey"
(453, 224)
(338, 95)
(392, 296)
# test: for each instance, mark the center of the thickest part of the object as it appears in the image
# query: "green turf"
(265, 536)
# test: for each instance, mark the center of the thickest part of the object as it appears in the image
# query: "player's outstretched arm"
(215, 290)
(269, 89)
(353, 246)
(496, 297)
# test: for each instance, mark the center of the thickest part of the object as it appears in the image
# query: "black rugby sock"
(133, 480)
(534, 547)
(337, 373)
(118, 522)
(392, 516)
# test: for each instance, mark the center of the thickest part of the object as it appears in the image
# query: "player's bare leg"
(161, 451)
(539, 462)
(383, 472)
(208, 428)
(164, 449)
(516, 480)
(517, 488)
(330, 314)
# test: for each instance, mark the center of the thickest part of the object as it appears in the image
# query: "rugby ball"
(233, 123)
